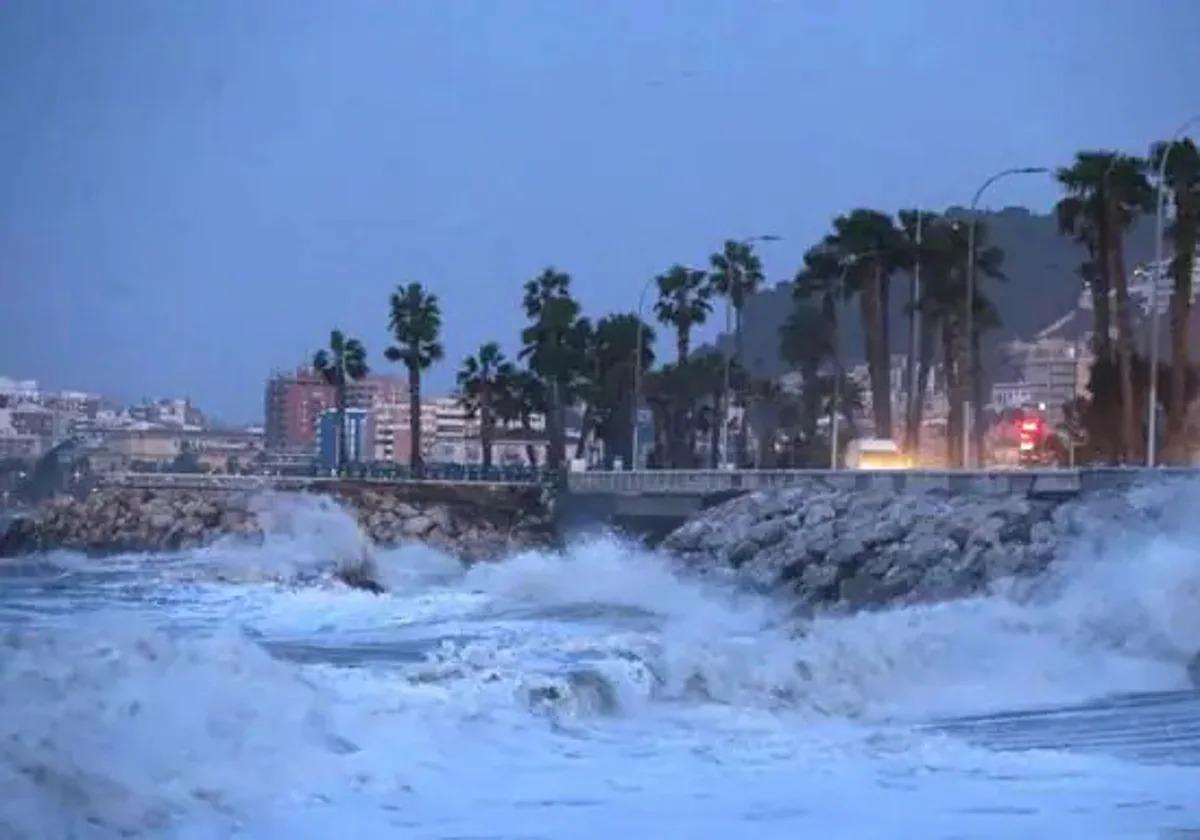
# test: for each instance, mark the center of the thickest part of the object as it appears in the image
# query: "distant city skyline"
(197, 193)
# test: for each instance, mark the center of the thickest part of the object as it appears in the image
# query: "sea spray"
(582, 693)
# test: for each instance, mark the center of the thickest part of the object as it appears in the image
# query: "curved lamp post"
(637, 377)
(969, 314)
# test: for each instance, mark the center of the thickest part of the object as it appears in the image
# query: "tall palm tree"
(805, 342)
(520, 397)
(481, 379)
(555, 344)
(869, 245)
(944, 253)
(1111, 188)
(416, 325)
(1081, 223)
(702, 380)
(1183, 180)
(684, 302)
(344, 361)
(612, 358)
(736, 274)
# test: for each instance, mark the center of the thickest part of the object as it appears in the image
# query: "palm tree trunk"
(415, 460)
(910, 368)
(885, 339)
(683, 340)
(530, 449)
(954, 422)
(485, 427)
(1130, 438)
(585, 425)
(876, 352)
(924, 364)
(743, 376)
(340, 433)
(554, 425)
(1181, 310)
(714, 431)
(811, 400)
(1101, 301)
(976, 381)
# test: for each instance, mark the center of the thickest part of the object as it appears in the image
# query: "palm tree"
(609, 399)
(1182, 178)
(805, 342)
(702, 380)
(943, 273)
(416, 325)
(684, 301)
(1111, 190)
(519, 398)
(481, 379)
(737, 273)
(345, 361)
(869, 246)
(765, 411)
(555, 344)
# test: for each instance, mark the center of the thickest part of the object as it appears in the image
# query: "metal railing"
(439, 474)
(718, 481)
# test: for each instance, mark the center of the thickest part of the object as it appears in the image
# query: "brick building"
(294, 402)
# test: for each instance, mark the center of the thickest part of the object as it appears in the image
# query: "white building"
(1053, 370)
(19, 390)
(1010, 395)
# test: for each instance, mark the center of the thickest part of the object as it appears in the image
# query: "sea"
(242, 691)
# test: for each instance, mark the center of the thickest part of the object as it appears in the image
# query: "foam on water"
(242, 690)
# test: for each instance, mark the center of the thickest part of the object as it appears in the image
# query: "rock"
(741, 552)
(20, 537)
(1193, 670)
(443, 520)
(767, 533)
(817, 513)
(418, 526)
(818, 576)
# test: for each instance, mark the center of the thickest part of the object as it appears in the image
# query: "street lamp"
(637, 376)
(969, 314)
(750, 240)
(836, 410)
(1152, 414)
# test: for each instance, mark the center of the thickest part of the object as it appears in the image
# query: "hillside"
(1042, 286)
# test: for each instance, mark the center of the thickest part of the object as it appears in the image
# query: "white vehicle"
(875, 454)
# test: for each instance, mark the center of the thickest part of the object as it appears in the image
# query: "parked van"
(875, 454)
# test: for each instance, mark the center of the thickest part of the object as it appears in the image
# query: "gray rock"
(768, 533)
(741, 552)
(418, 526)
(817, 513)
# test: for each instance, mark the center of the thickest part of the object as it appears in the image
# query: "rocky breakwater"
(470, 524)
(833, 548)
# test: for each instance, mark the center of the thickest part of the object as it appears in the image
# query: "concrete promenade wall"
(498, 496)
(649, 504)
(709, 482)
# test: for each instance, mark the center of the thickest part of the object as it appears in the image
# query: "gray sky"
(193, 193)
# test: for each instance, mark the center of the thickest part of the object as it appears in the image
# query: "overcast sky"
(193, 193)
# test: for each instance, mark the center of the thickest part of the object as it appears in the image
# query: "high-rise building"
(294, 402)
